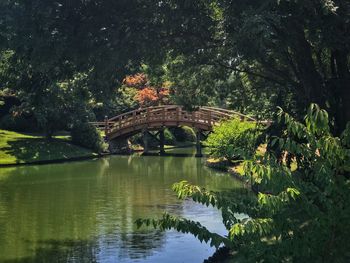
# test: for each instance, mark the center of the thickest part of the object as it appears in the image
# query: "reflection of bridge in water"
(145, 120)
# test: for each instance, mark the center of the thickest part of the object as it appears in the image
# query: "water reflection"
(84, 211)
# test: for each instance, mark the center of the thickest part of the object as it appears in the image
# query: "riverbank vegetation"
(296, 214)
(64, 64)
(231, 139)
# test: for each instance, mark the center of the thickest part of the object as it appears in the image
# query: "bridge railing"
(228, 113)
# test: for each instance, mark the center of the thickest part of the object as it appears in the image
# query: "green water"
(85, 211)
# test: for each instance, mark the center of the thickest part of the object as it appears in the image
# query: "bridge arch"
(159, 117)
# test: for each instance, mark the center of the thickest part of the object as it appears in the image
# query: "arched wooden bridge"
(153, 118)
(159, 117)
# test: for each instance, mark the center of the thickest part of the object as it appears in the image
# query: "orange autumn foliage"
(150, 96)
(163, 93)
(147, 96)
(138, 80)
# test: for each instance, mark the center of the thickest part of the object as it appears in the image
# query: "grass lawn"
(17, 148)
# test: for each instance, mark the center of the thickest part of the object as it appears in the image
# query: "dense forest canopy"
(60, 56)
(64, 63)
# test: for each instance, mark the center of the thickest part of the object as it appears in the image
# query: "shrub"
(231, 138)
(169, 138)
(153, 143)
(86, 135)
(304, 213)
(136, 139)
(18, 123)
(183, 134)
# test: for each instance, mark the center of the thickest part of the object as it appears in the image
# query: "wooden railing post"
(148, 115)
(163, 115)
(106, 125)
(133, 118)
(178, 114)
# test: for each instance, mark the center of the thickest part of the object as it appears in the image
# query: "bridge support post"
(145, 139)
(161, 141)
(106, 125)
(198, 143)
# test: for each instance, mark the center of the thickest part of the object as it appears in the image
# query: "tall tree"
(300, 47)
(290, 47)
(52, 42)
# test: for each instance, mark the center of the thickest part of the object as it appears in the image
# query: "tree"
(298, 49)
(144, 93)
(294, 52)
(52, 42)
(294, 48)
(299, 214)
(138, 81)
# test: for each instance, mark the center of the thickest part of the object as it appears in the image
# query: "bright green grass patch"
(17, 148)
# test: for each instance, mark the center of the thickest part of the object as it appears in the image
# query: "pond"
(85, 211)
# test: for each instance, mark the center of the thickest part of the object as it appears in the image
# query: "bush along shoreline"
(230, 143)
(300, 204)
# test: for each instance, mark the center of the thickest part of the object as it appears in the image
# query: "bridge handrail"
(229, 112)
(205, 108)
(142, 110)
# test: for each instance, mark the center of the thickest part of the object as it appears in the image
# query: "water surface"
(85, 211)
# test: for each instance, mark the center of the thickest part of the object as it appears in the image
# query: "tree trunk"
(340, 85)
(308, 75)
(48, 134)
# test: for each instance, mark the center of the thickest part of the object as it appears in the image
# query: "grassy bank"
(18, 148)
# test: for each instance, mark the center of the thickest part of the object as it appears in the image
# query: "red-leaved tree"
(147, 95)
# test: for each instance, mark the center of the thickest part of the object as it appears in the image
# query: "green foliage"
(62, 62)
(195, 84)
(183, 134)
(256, 55)
(169, 138)
(345, 137)
(248, 56)
(86, 135)
(296, 216)
(232, 138)
(17, 123)
(184, 226)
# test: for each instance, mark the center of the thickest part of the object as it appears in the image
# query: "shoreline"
(224, 166)
(80, 158)
(62, 160)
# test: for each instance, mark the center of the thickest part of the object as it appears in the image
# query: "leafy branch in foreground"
(302, 206)
(185, 226)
